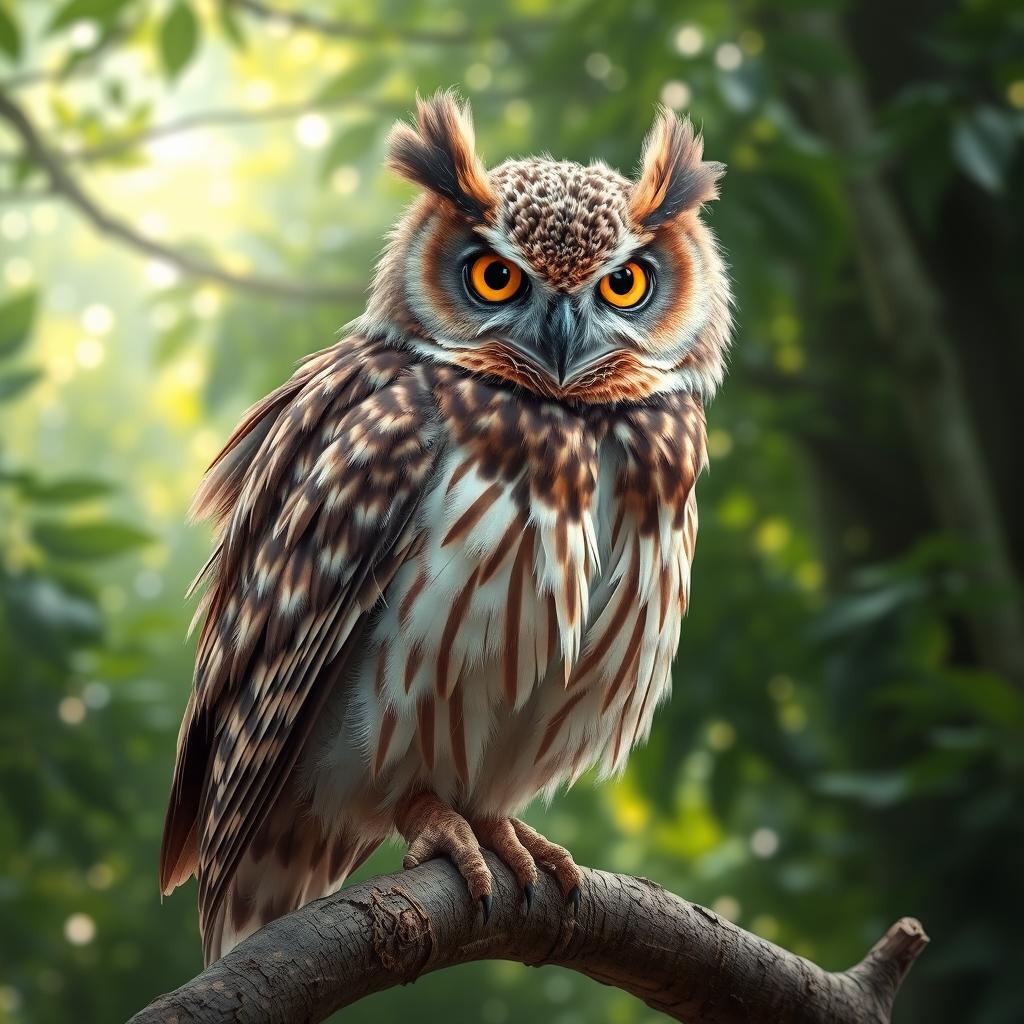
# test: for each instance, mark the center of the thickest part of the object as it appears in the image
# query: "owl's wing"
(315, 493)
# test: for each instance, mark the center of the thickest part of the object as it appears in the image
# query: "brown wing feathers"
(315, 513)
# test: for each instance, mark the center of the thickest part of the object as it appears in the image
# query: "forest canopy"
(192, 197)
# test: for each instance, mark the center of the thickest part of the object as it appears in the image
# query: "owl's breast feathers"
(398, 527)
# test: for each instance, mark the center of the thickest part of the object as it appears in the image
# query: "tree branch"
(346, 29)
(630, 933)
(63, 184)
(216, 118)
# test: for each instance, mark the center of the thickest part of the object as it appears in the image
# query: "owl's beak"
(562, 337)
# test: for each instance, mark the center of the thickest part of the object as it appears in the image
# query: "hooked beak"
(561, 337)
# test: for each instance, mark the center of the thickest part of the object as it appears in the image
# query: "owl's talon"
(432, 829)
(498, 835)
(528, 896)
(574, 899)
(486, 903)
(552, 858)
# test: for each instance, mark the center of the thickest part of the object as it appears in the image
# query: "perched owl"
(454, 549)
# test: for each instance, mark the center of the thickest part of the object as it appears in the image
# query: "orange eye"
(494, 279)
(625, 287)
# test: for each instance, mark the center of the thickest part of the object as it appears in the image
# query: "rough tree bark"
(679, 958)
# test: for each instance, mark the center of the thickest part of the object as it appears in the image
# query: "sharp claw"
(574, 898)
(485, 905)
(528, 895)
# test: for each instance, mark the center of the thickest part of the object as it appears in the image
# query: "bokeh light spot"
(90, 353)
(772, 535)
(79, 929)
(728, 56)
(764, 843)
(721, 734)
(478, 76)
(97, 318)
(18, 272)
(312, 131)
(689, 40)
(781, 687)
(84, 34)
(100, 876)
(719, 443)
(71, 710)
(728, 907)
(675, 94)
(598, 65)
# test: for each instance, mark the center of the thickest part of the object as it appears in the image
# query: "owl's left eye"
(627, 287)
(492, 278)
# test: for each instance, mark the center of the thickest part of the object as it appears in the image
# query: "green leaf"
(10, 36)
(41, 601)
(983, 145)
(85, 541)
(179, 35)
(174, 339)
(66, 491)
(350, 82)
(230, 24)
(103, 11)
(16, 316)
(13, 384)
(349, 146)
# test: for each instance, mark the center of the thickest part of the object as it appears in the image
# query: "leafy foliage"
(839, 749)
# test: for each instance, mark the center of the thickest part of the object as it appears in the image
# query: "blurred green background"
(191, 198)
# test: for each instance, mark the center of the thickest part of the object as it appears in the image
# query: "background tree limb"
(909, 312)
(64, 184)
(679, 958)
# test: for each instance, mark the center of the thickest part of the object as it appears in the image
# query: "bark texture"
(679, 958)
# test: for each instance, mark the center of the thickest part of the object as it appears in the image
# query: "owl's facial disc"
(610, 334)
(569, 280)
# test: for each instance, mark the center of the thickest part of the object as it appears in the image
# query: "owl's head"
(571, 281)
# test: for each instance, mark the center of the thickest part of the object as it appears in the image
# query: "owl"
(453, 551)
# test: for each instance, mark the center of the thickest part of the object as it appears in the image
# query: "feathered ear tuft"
(674, 177)
(439, 154)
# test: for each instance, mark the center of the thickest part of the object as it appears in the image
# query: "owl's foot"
(432, 829)
(524, 849)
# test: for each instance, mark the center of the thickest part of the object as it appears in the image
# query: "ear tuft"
(674, 177)
(439, 154)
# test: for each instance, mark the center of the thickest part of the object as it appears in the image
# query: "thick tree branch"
(63, 184)
(677, 957)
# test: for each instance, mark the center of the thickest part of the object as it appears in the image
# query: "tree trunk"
(909, 315)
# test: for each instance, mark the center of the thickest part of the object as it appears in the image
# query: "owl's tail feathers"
(279, 873)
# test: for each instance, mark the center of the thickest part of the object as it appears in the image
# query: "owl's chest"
(540, 602)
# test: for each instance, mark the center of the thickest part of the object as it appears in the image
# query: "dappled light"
(192, 198)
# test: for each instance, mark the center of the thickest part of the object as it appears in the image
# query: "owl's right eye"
(493, 279)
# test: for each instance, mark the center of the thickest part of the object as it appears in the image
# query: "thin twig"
(64, 184)
(380, 30)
